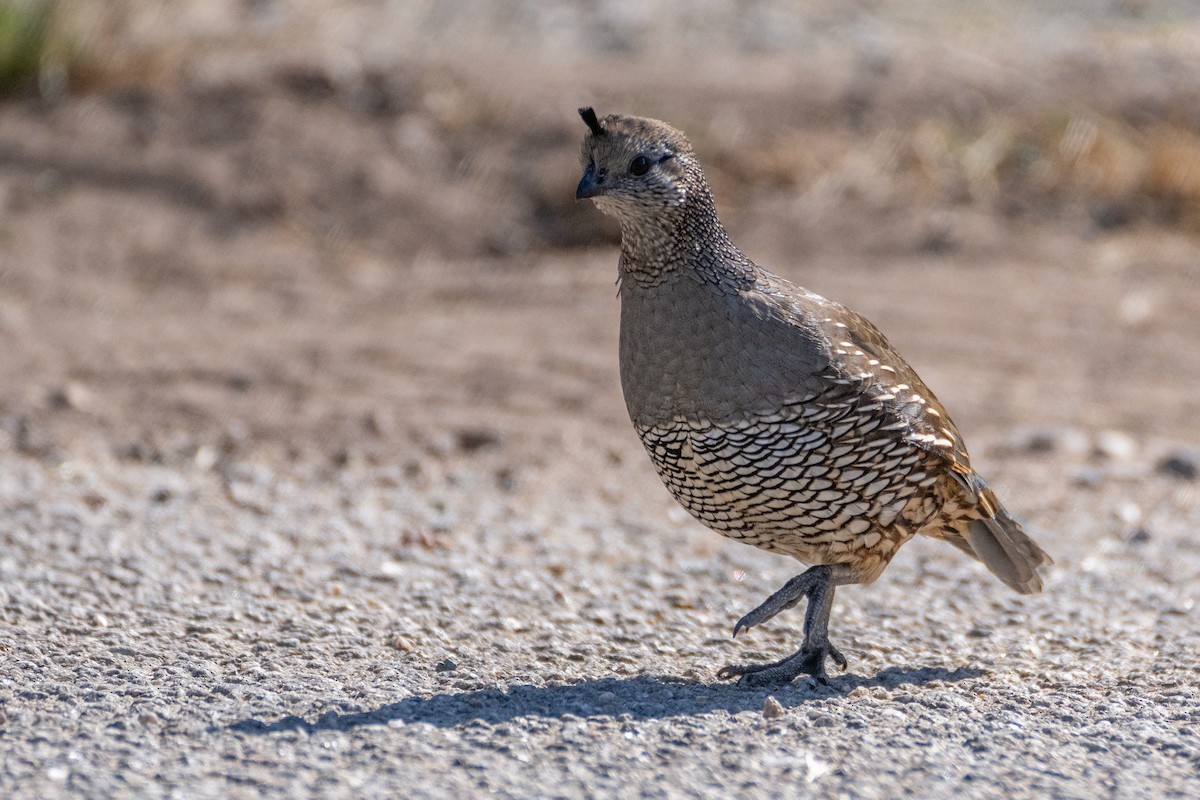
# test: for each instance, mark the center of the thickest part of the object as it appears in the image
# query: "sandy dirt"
(315, 479)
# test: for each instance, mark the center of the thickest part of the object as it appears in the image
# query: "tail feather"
(1007, 551)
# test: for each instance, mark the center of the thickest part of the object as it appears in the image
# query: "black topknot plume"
(589, 117)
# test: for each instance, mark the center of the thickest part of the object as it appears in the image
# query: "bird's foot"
(808, 660)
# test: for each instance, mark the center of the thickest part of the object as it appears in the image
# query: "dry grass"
(56, 47)
(1119, 173)
(34, 53)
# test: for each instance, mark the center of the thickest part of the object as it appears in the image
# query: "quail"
(777, 417)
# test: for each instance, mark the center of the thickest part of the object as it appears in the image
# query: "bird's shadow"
(641, 697)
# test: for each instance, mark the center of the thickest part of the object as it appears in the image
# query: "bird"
(777, 417)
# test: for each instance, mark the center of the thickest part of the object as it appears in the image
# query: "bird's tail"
(1007, 551)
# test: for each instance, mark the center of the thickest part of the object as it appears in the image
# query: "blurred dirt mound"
(283, 251)
(460, 159)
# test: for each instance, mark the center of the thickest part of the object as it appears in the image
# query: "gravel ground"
(201, 629)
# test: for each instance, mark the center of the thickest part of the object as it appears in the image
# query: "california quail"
(773, 415)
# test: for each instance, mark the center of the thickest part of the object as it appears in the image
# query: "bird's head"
(637, 169)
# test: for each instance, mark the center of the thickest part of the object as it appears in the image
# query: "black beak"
(590, 185)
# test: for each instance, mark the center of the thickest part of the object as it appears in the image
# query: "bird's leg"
(792, 593)
(817, 584)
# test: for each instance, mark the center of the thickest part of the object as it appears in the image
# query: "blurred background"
(346, 230)
(311, 423)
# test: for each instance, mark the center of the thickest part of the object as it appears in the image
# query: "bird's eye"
(640, 166)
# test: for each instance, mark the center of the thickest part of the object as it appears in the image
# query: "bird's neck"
(685, 242)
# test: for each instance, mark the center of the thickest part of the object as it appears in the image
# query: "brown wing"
(992, 536)
(865, 355)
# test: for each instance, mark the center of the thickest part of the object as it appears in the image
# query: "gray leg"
(817, 584)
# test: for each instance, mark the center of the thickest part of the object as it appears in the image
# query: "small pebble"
(206, 457)
(1035, 442)
(1183, 464)
(1114, 446)
(1088, 477)
(772, 708)
(93, 500)
(1129, 513)
(1068, 441)
(1139, 535)
(446, 666)
(74, 395)
(1137, 308)
(473, 439)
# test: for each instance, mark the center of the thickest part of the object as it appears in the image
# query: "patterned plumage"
(773, 415)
